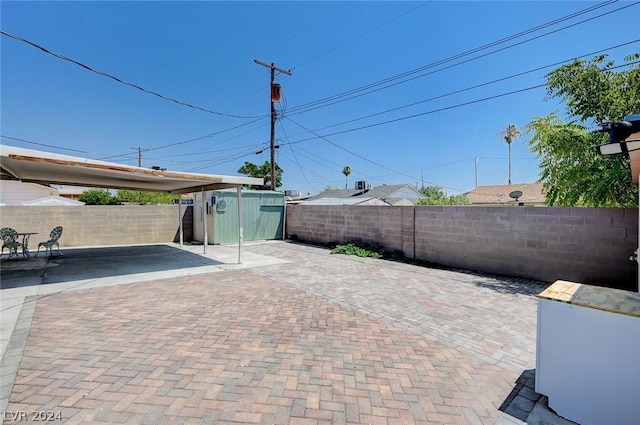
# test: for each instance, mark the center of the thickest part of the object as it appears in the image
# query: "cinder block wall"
(588, 245)
(325, 224)
(91, 225)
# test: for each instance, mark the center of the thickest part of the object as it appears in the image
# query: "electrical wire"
(451, 58)
(316, 57)
(223, 161)
(418, 115)
(210, 151)
(307, 28)
(324, 179)
(253, 147)
(334, 98)
(358, 155)
(336, 169)
(362, 35)
(249, 64)
(422, 75)
(44, 144)
(478, 85)
(118, 80)
(296, 159)
(215, 133)
(210, 135)
(315, 158)
(433, 111)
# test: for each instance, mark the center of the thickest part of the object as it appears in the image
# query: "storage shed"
(263, 215)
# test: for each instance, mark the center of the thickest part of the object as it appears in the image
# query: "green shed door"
(262, 214)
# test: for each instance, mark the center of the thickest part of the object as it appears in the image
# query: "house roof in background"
(54, 200)
(380, 192)
(34, 166)
(499, 194)
(357, 200)
(17, 193)
(71, 190)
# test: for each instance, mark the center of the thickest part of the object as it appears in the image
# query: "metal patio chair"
(53, 241)
(10, 241)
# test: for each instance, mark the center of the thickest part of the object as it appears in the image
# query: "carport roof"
(35, 166)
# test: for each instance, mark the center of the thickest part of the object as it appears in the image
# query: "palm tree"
(509, 134)
(346, 171)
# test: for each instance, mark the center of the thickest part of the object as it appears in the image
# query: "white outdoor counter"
(588, 353)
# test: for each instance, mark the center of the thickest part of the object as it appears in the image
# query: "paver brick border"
(13, 355)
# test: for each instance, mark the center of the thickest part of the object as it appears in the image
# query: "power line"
(43, 144)
(307, 28)
(223, 161)
(433, 111)
(334, 98)
(104, 74)
(338, 167)
(449, 59)
(213, 134)
(417, 115)
(315, 158)
(363, 34)
(248, 64)
(324, 137)
(478, 85)
(358, 155)
(296, 159)
(253, 146)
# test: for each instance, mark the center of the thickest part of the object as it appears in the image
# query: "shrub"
(361, 249)
(98, 197)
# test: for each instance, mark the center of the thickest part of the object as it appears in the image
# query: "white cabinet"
(588, 353)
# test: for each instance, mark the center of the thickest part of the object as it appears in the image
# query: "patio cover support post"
(240, 229)
(180, 220)
(204, 220)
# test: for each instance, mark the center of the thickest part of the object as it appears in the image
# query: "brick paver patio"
(322, 339)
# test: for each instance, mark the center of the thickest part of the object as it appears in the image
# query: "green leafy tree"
(262, 172)
(347, 172)
(330, 188)
(145, 198)
(572, 171)
(98, 197)
(435, 195)
(595, 91)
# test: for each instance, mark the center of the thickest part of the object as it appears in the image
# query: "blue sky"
(202, 53)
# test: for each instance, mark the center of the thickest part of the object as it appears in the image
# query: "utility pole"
(273, 69)
(139, 149)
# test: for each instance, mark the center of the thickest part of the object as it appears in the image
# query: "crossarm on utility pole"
(272, 66)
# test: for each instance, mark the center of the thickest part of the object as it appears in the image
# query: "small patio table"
(25, 241)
